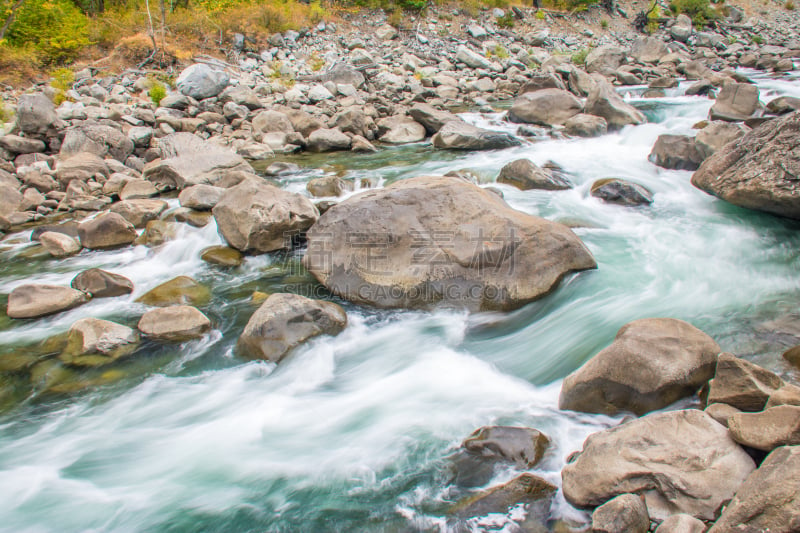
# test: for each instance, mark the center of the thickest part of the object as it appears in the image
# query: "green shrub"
(757, 39)
(157, 92)
(506, 21)
(62, 80)
(699, 11)
(540, 15)
(55, 28)
(604, 24)
(5, 114)
(579, 57)
(577, 5)
(789, 5)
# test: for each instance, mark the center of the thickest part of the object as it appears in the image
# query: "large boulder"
(81, 167)
(547, 107)
(458, 135)
(200, 81)
(257, 217)
(472, 59)
(98, 139)
(758, 170)
(188, 160)
(605, 102)
(35, 300)
(677, 152)
(717, 134)
(648, 50)
(621, 192)
(769, 500)
(21, 145)
(433, 119)
(777, 426)
(286, 320)
(520, 445)
(139, 212)
(627, 513)
(201, 197)
(108, 230)
(735, 102)
(605, 59)
(440, 240)
(328, 140)
(682, 29)
(102, 284)
(176, 323)
(524, 174)
(741, 384)
(90, 337)
(583, 125)
(400, 130)
(37, 117)
(10, 199)
(652, 363)
(59, 245)
(681, 461)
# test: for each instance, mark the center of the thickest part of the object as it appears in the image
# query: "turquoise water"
(353, 433)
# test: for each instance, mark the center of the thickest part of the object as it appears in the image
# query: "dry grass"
(19, 66)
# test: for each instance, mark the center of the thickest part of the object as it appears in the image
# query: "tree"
(12, 11)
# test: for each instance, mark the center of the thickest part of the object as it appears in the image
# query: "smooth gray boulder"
(37, 117)
(108, 230)
(621, 192)
(676, 152)
(742, 384)
(98, 139)
(605, 102)
(735, 102)
(546, 107)
(199, 81)
(36, 300)
(524, 174)
(457, 135)
(176, 323)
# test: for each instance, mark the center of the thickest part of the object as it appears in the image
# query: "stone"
(792, 356)
(721, 412)
(102, 284)
(462, 136)
(10, 200)
(181, 290)
(520, 445)
(386, 32)
(742, 384)
(353, 120)
(787, 395)
(776, 426)
(21, 145)
(546, 107)
(676, 152)
(139, 212)
(37, 300)
(626, 513)
(525, 489)
(682, 29)
(735, 102)
(97, 139)
(200, 197)
(222, 256)
(93, 336)
(81, 167)
(199, 81)
(59, 245)
(431, 118)
(605, 102)
(328, 186)
(400, 130)
(716, 135)
(769, 499)
(543, 80)
(621, 192)
(525, 175)
(177, 323)
(37, 117)
(648, 50)
(257, 217)
(779, 106)
(188, 160)
(652, 363)
(327, 140)
(699, 88)
(108, 230)
(604, 59)
(680, 461)
(157, 232)
(399, 260)
(319, 93)
(757, 170)
(285, 321)
(138, 190)
(681, 523)
(583, 125)
(472, 59)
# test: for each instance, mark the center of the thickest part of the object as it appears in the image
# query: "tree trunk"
(10, 18)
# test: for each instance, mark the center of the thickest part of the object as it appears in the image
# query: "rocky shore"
(97, 171)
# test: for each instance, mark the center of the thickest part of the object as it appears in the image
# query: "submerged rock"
(758, 171)
(102, 284)
(222, 255)
(681, 461)
(182, 290)
(37, 300)
(439, 240)
(258, 217)
(284, 321)
(621, 192)
(652, 363)
(176, 323)
(523, 489)
(457, 135)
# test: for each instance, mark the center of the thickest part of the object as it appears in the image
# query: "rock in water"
(92, 337)
(605, 102)
(284, 321)
(176, 323)
(759, 170)
(108, 230)
(681, 461)
(678, 152)
(524, 175)
(439, 240)
(200, 81)
(547, 107)
(457, 135)
(735, 102)
(769, 500)
(742, 384)
(58, 244)
(652, 363)
(526, 488)
(258, 217)
(627, 513)
(177, 291)
(101, 284)
(35, 300)
(621, 192)
(524, 446)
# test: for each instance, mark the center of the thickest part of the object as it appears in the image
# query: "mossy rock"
(258, 297)
(792, 355)
(182, 290)
(222, 256)
(525, 489)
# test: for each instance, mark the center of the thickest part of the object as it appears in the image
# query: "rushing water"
(353, 433)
